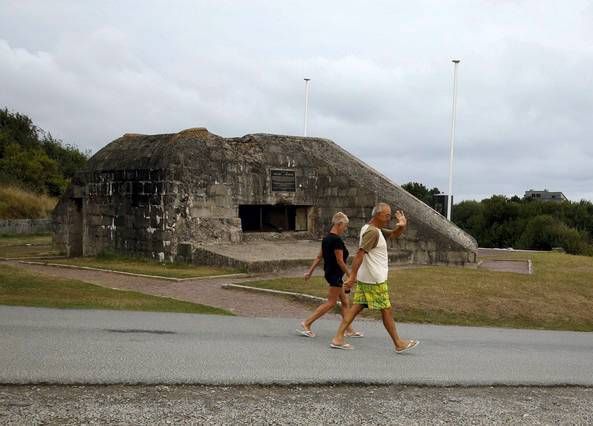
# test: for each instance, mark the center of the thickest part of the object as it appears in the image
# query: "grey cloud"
(381, 80)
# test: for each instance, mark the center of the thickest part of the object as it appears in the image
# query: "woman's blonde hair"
(339, 217)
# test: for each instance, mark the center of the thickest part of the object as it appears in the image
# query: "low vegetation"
(21, 288)
(18, 203)
(559, 295)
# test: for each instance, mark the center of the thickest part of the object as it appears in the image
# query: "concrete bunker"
(169, 196)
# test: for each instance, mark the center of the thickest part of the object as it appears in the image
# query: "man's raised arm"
(400, 226)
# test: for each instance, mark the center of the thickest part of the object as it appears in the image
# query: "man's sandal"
(354, 334)
(346, 346)
(411, 345)
(305, 332)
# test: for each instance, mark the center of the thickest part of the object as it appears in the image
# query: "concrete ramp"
(267, 256)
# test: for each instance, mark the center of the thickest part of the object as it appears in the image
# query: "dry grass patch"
(16, 203)
(547, 299)
(559, 295)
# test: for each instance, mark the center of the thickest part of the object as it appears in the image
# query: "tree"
(421, 192)
(33, 159)
(469, 216)
(545, 232)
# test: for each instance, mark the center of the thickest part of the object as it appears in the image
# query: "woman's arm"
(314, 265)
(339, 253)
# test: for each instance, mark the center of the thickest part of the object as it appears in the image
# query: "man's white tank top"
(375, 264)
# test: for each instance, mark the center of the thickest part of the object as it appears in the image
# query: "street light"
(452, 142)
(307, 80)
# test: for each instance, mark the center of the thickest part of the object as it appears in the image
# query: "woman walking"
(334, 254)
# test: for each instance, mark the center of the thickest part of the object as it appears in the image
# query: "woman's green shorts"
(373, 296)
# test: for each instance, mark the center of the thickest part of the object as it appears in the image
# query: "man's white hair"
(340, 217)
(379, 207)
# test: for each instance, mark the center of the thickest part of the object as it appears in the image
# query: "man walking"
(371, 268)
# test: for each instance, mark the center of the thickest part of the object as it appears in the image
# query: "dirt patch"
(517, 266)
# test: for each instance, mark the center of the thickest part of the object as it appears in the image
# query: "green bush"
(544, 232)
(33, 159)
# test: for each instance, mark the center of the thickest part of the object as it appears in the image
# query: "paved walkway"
(205, 291)
(517, 266)
(85, 346)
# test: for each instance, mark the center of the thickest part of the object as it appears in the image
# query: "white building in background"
(545, 195)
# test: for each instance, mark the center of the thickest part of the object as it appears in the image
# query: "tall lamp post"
(452, 141)
(307, 80)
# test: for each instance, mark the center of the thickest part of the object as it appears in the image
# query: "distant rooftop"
(545, 195)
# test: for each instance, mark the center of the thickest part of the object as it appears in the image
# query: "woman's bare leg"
(345, 306)
(349, 316)
(332, 298)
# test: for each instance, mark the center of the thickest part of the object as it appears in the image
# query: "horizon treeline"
(502, 222)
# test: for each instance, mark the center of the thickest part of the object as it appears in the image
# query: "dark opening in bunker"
(268, 218)
(75, 234)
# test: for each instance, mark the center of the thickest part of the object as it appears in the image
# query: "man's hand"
(401, 219)
(307, 275)
(349, 283)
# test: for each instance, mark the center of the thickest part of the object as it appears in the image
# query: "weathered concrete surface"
(257, 256)
(264, 255)
(81, 346)
(517, 266)
(25, 226)
(164, 196)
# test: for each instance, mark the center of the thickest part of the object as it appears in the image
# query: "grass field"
(13, 246)
(19, 240)
(139, 266)
(559, 295)
(20, 288)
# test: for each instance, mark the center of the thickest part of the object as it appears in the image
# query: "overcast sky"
(381, 80)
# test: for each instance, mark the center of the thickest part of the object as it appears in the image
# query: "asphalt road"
(100, 347)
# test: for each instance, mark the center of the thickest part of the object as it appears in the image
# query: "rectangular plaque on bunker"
(283, 180)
